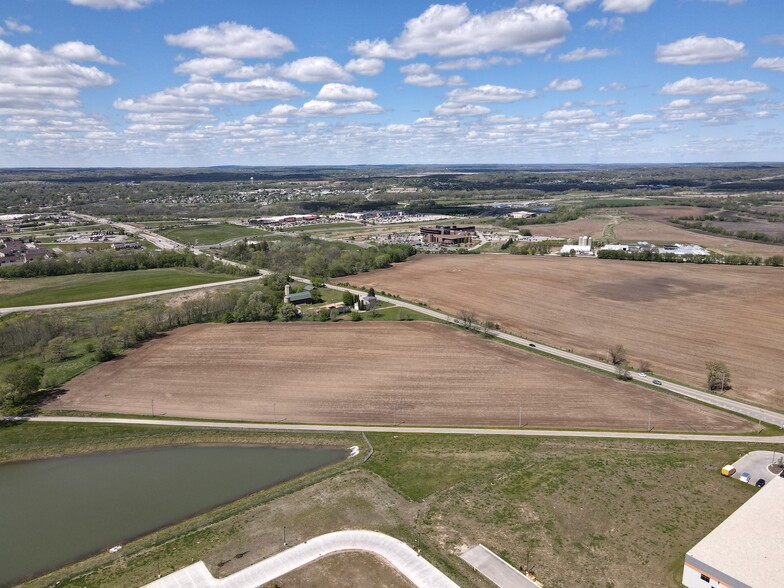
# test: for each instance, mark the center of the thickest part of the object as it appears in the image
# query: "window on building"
(704, 578)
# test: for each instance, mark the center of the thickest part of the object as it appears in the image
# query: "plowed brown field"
(385, 373)
(677, 316)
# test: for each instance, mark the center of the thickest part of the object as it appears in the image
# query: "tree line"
(713, 258)
(114, 261)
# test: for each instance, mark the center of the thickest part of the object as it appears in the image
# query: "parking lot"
(756, 464)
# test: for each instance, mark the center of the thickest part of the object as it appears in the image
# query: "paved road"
(772, 441)
(758, 414)
(495, 569)
(11, 309)
(418, 570)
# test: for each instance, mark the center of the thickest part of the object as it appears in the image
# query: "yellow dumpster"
(727, 470)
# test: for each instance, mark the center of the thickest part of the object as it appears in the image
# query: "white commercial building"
(745, 551)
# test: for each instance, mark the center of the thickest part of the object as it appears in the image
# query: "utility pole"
(520, 416)
(649, 420)
(152, 406)
(284, 535)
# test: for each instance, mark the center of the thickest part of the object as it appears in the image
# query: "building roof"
(747, 545)
(300, 297)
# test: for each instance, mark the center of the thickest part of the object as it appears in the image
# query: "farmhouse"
(304, 297)
(584, 247)
(744, 550)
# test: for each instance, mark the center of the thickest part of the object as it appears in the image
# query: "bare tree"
(617, 354)
(718, 375)
(467, 318)
(622, 371)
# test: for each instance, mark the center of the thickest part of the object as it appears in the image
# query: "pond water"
(55, 511)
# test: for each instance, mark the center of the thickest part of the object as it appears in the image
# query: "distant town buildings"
(448, 235)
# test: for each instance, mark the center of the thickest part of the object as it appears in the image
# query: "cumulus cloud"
(488, 94)
(558, 85)
(575, 4)
(452, 30)
(728, 99)
(315, 69)
(638, 118)
(345, 93)
(329, 108)
(699, 50)
(421, 74)
(365, 66)
(582, 53)
(230, 39)
(206, 67)
(17, 27)
(454, 109)
(774, 39)
(78, 51)
(718, 86)
(196, 94)
(613, 86)
(773, 63)
(626, 6)
(614, 24)
(109, 4)
(31, 78)
(474, 63)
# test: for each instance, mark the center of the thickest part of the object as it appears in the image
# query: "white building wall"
(696, 579)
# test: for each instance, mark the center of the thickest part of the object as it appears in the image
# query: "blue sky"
(208, 82)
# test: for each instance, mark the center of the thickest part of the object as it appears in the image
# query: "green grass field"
(51, 290)
(209, 234)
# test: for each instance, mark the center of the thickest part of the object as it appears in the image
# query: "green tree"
(349, 299)
(288, 312)
(22, 381)
(105, 349)
(718, 375)
(355, 316)
(57, 349)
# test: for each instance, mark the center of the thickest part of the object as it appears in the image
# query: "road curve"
(418, 570)
(401, 429)
(11, 309)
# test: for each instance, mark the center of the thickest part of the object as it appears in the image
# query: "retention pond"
(55, 511)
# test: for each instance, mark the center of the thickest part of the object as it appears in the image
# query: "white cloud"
(614, 24)
(563, 116)
(230, 39)
(474, 63)
(345, 93)
(728, 99)
(699, 50)
(613, 86)
(250, 72)
(207, 92)
(109, 4)
(773, 63)
(315, 69)
(365, 66)
(421, 74)
(452, 30)
(638, 118)
(488, 94)
(78, 51)
(328, 108)
(564, 85)
(31, 78)
(582, 53)
(626, 6)
(17, 27)
(453, 109)
(694, 86)
(774, 39)
(206, 67)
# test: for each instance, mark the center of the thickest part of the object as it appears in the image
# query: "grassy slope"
(51, 290)
(209, 234)
(579, 511)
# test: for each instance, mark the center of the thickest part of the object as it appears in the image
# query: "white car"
(745, 477)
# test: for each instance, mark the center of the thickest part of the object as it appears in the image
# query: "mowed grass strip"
(74, 288)
(209, 234)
